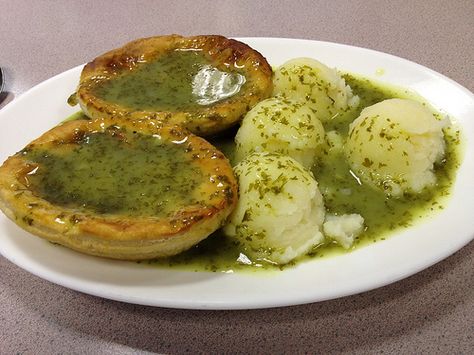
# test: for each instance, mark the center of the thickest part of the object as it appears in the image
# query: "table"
(430, 312)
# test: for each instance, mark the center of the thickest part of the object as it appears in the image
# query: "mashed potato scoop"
(312, 82)
(394, 144)
(280, 212)
(282, 126)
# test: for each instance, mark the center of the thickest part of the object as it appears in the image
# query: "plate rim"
(242, 305)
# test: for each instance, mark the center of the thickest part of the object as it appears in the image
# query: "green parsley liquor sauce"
(127, 173)
(182, 80)
(342, 193)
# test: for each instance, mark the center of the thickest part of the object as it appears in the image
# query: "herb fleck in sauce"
(127, 173)
(179, 81)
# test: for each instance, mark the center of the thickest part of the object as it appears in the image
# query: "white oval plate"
(370, 267)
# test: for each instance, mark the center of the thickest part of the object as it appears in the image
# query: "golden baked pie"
(205, 83)
(130, 190)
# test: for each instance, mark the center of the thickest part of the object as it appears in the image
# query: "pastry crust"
(119, 236)
(225, 54)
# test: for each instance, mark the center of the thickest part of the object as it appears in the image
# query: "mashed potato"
(281, 126)
(394, 144)
(343, 229)
(335, 142)
(280, 211)
(312, 82)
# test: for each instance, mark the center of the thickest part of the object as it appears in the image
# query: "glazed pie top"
(129, 190)
(205, 83)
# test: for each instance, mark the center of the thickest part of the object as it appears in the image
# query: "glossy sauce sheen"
(382, 215)
(179, 81)
(121, 173)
